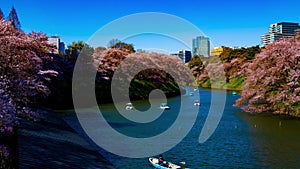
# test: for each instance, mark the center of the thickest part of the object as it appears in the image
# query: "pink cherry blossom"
(23, 72)
(273, 79)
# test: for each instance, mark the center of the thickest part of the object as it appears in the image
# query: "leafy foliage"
(232, 62)
(4, 157)
(24, 74)
(244, 53)
(197, 67)
(123, 45)
(24, 80)
(112, 42)
(75, 48)
(195, 62)
(108, 61)
(273, 80)
(233, 67)
(209, 72)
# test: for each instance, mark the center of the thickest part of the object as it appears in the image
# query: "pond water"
(240, 140)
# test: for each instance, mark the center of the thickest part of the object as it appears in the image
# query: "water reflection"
(276, 140)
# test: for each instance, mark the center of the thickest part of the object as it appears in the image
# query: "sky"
(226, 23)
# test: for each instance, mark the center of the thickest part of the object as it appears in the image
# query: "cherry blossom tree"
(273, 80)
(109, 60)
(156, 71)
(23, 73)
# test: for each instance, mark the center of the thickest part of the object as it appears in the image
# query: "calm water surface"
(240, 140)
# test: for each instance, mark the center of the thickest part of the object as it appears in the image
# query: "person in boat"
(162, 162)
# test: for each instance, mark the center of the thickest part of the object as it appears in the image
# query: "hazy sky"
(229, 23)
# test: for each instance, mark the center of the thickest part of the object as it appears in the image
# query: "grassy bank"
(234, 84)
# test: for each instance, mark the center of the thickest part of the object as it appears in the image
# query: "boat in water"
(164, 106)
(196, 103)
(167, 165)
(129, 106)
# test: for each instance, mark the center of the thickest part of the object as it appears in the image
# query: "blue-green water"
(240, 140)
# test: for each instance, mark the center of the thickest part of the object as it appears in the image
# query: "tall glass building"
(201, 46)
(278, 31)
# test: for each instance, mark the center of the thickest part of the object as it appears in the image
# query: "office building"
(59, 46)
(217, 51)
(62, 48)
(201, 46)
(184, 55)
(278, 31)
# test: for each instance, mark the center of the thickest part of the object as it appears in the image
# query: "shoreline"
(51, 142)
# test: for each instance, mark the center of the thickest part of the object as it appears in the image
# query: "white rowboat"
(154, 162)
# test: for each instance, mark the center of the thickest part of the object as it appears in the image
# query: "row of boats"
(163, 106)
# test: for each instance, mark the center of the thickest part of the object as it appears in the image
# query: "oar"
(183, 162)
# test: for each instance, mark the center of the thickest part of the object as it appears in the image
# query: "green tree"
(123, 45)
(252, 51)
(75, 48)
(112, 42)
(243, 53)
(226, 54)
(196, 66)
(13, 17)
(195, 61)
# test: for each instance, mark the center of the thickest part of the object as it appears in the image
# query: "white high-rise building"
(278, 31)
(59, 46)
